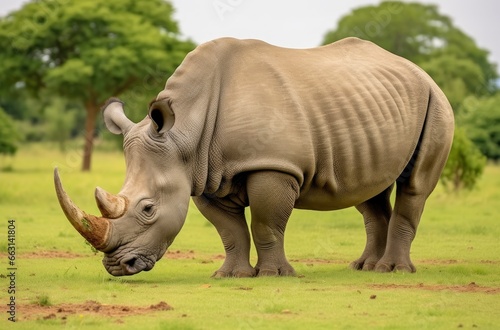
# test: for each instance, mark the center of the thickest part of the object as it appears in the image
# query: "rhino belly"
(321, 199)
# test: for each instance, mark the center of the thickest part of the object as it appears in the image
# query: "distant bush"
(465, 164)
(9, 136)
(481, 119)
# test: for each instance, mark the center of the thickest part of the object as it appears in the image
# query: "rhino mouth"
(129, 264)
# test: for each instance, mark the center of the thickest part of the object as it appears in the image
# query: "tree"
(89, 50)
(465, 163)
(421, 34)
(8, 135)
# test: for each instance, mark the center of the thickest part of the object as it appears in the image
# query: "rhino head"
(138, 224)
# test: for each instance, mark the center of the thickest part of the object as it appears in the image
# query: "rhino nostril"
(130, 262)
(130, 266)
(133, 265)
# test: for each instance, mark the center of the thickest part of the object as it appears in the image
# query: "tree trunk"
(90, 124)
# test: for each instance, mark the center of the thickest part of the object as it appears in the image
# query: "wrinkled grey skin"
(244, 123)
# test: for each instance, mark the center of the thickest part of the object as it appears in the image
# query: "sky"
(303, 23)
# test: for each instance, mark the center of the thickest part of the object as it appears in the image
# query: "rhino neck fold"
(194, 91)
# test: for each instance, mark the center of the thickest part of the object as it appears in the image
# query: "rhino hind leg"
(412, 193)
(229, 220)
(376, 214)
(271, 196)
(403, 225)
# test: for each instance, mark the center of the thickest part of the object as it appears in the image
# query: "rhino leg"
(271, 196)
(229, 220)
(376, 214)
(412, 193)
(402, 230)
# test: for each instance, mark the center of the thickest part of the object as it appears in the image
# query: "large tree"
(89, 50)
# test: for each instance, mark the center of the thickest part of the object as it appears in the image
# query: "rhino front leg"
(272, 196)
(376, 214)
(229, 220)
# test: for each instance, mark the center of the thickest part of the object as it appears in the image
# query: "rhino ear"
(162, 116)
(114, 117)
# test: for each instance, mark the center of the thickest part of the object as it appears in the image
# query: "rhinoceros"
(242, 123)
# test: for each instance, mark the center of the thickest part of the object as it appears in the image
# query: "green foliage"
(421, 34)
(465, 163)
(9, 136)
(481, 119)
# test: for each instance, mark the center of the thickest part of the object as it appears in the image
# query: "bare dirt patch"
(454, 261)
(91, 307)
(469, 288)
(53, 254)
(437, 261)
(178, 254)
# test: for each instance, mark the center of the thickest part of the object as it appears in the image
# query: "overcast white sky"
(303, 23)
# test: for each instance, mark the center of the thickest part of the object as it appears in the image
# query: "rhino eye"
(148, 209)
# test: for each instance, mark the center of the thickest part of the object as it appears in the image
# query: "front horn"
(96, 230)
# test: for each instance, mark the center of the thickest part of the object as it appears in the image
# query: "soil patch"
(453, 261)
(178, 254)
(52, 254)
(469, 288)
(437, 261)
(91, 307)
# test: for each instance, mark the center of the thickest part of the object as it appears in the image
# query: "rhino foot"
(241, 272)
(285, 270)
(362, 265)
(383, 267)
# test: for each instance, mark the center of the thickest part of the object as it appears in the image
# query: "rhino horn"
(96, 230)
(111, 206)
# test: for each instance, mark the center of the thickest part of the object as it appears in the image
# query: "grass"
(456, 252)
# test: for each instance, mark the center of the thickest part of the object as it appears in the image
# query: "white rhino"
(243, 123)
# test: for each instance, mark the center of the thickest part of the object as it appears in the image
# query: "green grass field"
(61, 283)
